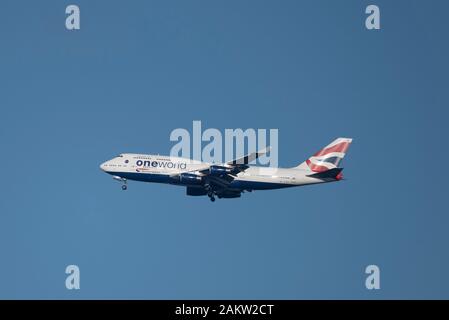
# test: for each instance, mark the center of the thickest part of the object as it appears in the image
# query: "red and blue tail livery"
(329, 157)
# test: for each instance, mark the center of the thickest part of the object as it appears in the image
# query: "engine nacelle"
(190, 179)
(196, 191)
(219, 170)
(229, 195)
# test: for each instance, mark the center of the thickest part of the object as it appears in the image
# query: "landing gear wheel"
(124, 187)
(212, 198)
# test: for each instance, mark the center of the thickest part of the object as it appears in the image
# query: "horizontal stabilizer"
(334, 173)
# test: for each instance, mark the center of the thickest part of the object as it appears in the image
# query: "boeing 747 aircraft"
(230, 179)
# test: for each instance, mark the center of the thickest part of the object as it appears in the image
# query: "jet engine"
(219, 170)
(190, 179)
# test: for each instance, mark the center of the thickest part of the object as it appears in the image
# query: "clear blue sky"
(139, 69)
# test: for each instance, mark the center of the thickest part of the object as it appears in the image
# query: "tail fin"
(327, 158)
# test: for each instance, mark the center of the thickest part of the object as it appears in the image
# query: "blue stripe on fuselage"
(144, 177)
(257, 185)
(165, 178)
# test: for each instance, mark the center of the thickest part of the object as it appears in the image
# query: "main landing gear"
(210, 192)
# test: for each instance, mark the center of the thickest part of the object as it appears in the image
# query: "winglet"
(249, 157)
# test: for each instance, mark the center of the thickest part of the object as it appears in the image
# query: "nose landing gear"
(122, 180)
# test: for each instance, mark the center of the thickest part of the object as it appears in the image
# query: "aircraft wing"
(218, 177)
(231, 167)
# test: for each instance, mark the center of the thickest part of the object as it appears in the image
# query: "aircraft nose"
(102, 166)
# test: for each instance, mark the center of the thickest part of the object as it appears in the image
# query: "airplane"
(229, 179)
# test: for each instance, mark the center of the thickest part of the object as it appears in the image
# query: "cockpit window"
(120, 156)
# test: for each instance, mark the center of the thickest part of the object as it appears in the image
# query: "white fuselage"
(162, 169)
